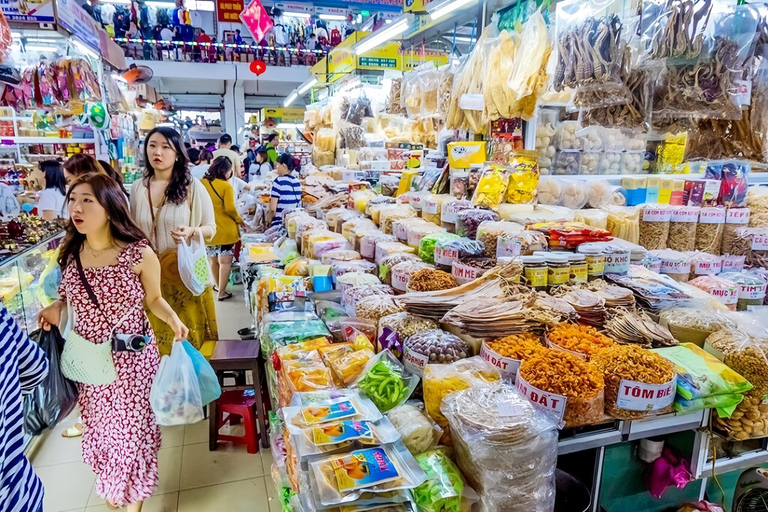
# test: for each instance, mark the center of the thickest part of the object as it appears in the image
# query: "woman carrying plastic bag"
(175, 396)
(193, 265)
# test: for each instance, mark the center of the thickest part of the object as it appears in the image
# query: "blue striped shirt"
(287, 190)
(23, 366)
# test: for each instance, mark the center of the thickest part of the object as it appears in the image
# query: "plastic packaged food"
(505, 447)
(352, 295)
(468, 221)
(395, 328)
(674, 264)
(492, 186)
(417, 430)
(433, 207)
(654, 226)
(341, 268)
(342, 479)
(705, 264)
(339, 255)
(524, 178)
(355, 278)
(524, 243)
(444, 490)
(369, 241)
(449, 251)
(709, 230)
(565, 385)
(385, 249)
(374, 210)
(320, 440)
(386, 265)
(428, 280)
(751, 289)
(748, 420)
(281, 328)
(575, 194)
(450, 210)
(682, 228)
(377, 306)
(488, 232)
(386, 382)
(428, 243)
(419, 231)
(349, 366)
(435, 347)
(389, 215)
(724, 291)
(400, 227)
(735, 218)
(627, 368)
(403, 272)
(442, 380)
(308, 409)
(744, 352)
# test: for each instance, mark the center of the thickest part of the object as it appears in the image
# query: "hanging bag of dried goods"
(449, 212)
(682, 228)
(654, 226)
(468, 221)
(442, 380)
(505, 447)
(751, 289)
(492, 187)
(566, 386)
(449, 251)
(637, 381)
(709, 230)
(508, 352)
(724, 291)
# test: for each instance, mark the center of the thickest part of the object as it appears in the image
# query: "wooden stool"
(234, 402)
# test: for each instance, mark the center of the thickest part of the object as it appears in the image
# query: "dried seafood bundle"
(615, 296)
(631, 114)
(590, 54)
(494, 318)
(651, 291)
(716, 139)
(436, 304)
(589, 305)
(675, 28)
(468, 80)
(629, 327)
(556, 305)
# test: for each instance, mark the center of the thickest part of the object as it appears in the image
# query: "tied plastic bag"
(56, 396)
(175, 395)
(193, 265)
(445, 489)
(210, 389)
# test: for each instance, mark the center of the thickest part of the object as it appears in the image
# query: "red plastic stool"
(233, 402)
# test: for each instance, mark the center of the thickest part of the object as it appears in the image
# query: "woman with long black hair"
(109, 275)
(50, 201)
(173, 208)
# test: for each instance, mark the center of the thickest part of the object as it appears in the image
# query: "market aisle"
(192, 479)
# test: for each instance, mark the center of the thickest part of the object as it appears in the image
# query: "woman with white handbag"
(172, 207)
(109, 275)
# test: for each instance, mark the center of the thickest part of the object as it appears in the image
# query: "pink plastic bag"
(669, 469)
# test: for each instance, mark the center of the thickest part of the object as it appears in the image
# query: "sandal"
(73, 431)
(226, 296)
(216, 289)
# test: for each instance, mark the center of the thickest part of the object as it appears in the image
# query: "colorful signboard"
(228, 11)
(28, 12)
(283, 115)
(256, 18)
(79, 23)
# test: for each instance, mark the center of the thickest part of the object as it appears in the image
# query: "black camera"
(129, 342)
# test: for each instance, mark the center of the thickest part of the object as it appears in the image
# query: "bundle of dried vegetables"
(629, 327)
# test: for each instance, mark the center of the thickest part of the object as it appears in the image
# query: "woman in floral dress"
(121, 437)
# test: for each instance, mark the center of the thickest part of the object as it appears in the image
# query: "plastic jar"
(579, 268)
(595, 262)
(535, 271)
(558, 270)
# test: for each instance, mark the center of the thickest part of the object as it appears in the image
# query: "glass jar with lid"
(535, 271)
(595, 261)
(579, 269)
(558, 270)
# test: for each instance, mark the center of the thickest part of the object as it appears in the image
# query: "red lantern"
(257, 67)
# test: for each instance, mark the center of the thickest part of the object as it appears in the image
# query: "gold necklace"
(98, 252)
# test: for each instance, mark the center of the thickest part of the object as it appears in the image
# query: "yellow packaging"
(462, 154)
(665, 190)
(405, 181)
(537, 277)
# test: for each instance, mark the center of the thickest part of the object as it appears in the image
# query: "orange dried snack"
(562, 373)
(517, 346)
(579, 338)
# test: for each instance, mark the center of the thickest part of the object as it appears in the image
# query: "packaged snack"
(355, 278)
(433, 207)
(506, 448)
(281, 328)
(428, 243)
(395, 328)
(403, 272)
(709, 230)
(705, 264)
(637, 381)
(377, 306)
(369, 241)
(417, 430)
(442, 380)
(388, 263)
(339, 255)
(436, 347)
(384, 249)
(724, 291)
(349, 366)
(450, 211)
(342, 435)
(524, 178)
(449, 251)
(389, 215)
(340, 269)
(492, 186)
(428, 280)
(751, 289)
(749, 420)
(352, 295)
(488, 232)
(444, 489)
(682, 228)
(467, 221)
(386, 382)
(654, 226)
(674, 264)
(310, 409)
(400, 227)
(342, 479)
(360, 332)
(419, 231)
(564, 385)
(735, 218)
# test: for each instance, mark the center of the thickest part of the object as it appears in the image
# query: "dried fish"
(629, 327)
(675, 29)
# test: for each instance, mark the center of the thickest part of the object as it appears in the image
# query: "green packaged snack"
(386, 382)
(427, 245)
(444, 488)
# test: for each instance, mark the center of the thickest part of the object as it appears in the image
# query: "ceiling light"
(381, 36)
(116, 1)
(387, 21)
(15, 35)
(296, 14)
(290, 99)
(307, 85)
(440, 9)
(84, 48)
(333, 17)
(31, 48)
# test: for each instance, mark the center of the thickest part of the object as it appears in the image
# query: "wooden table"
(238, 355)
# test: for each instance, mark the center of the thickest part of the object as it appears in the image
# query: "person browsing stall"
(225, 149)
(50, 201)
(271, 148)
(286, 189)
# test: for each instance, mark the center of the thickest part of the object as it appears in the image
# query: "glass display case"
(29, 281)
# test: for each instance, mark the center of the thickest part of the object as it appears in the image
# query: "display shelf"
(745, 460)
(663, 425)
(589, 440)
(45, 140)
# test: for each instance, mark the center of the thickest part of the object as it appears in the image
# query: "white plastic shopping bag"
(193, 265)
(175, 394)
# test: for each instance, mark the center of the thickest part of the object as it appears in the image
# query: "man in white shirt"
(225, 145)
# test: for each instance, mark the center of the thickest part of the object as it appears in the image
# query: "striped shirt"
(23, 366)
(287, 190)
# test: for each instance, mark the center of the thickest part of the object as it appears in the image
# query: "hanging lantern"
(258, 67)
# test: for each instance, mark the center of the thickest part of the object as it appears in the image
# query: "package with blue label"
(343, 478)
(344, 408)
(341, 436)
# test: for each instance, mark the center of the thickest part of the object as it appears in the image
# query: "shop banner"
(335, 11)
(79, 23)
(283, 115)
(257, 20)
(28, 12)
(228, 11)
(307, 9)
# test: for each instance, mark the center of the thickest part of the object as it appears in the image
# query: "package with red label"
(448, 251)
(724, 291)
(569, 235)
(705, 264)
(675, 264)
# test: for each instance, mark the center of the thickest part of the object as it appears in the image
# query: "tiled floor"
(192, 479)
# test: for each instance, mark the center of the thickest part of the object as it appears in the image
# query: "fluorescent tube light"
(126, 2)
(333, 17)
(84, 48)
(15, 35)
(290, 99)
(381, 36)
(307, 85)
(31, 48)
(296, 14)
(443, 8)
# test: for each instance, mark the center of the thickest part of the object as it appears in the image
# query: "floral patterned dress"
(120, 435)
